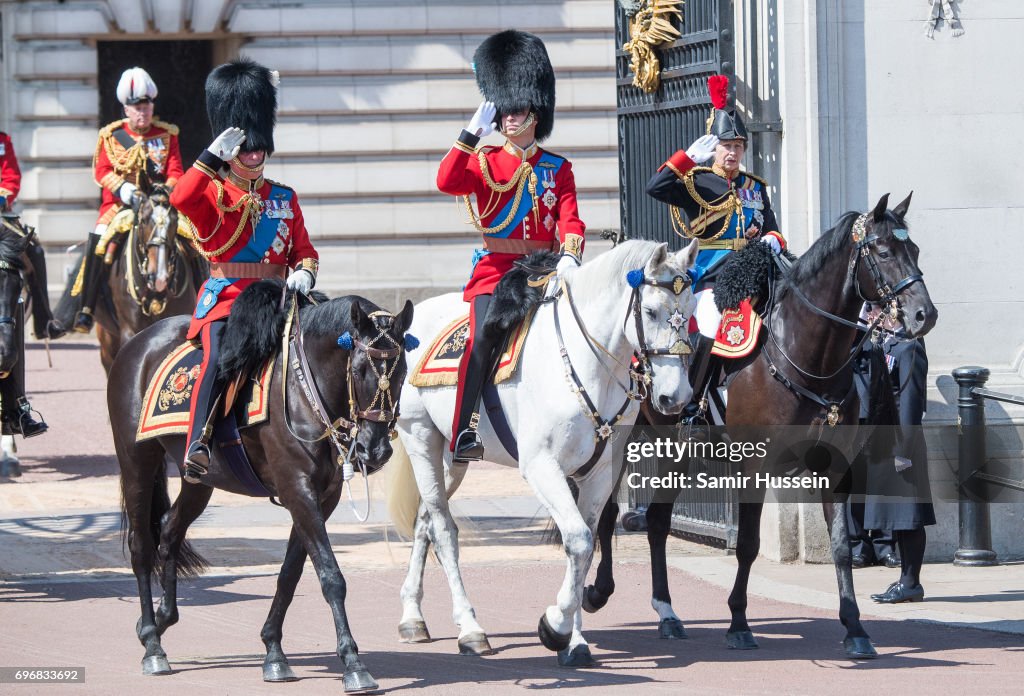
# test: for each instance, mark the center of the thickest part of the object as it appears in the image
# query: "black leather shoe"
(468, 447)
(890, 561)
(27, 426)
(197, 462)
(83, 323)
(54, 330)
(898, 592)
(858, 561)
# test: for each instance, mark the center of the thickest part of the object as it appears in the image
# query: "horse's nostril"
(920, 316)
(665, 401)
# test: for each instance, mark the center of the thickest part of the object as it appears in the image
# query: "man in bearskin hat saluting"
(525, 198)
(247, 227)
(132, 147)
(721, 206)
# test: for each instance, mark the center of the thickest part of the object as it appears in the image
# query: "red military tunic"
(10, 174)
(545, 219)
(114, 164)
(279, 236)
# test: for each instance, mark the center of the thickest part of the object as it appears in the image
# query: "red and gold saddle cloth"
(169, 395)
(439, 365)
(738, 332)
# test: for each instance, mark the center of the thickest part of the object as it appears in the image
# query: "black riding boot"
(468, 446)
(207, 398)
(15, 410)
(92, 278)
(43, 323)
(703, 372)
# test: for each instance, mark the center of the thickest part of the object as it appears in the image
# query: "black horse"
(354, 367)
(806, 340)
(155, 273)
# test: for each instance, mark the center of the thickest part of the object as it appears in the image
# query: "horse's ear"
(900, 211)
(404, 320)
(357, 316)
(657, 261)
(689, 254)
(878, 214)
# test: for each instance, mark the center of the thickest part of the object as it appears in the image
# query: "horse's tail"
(68, 306)
(403, 494)
(188, 562)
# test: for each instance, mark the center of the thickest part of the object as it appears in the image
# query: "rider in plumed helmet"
(721, 205)
(525, 198)
(246, 226)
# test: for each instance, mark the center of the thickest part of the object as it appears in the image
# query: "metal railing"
(975, 546)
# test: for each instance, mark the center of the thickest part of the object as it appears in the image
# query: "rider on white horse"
(522, 194)
(721, 206)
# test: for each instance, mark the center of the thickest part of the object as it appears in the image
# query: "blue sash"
(546, 163)
(277, 207)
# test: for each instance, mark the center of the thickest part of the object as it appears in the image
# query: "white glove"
(300, 281)
(482, 124)
(703, 148)
(227, 144)
(126, 192)
(565, 266)
(772, 241)
(902, 463)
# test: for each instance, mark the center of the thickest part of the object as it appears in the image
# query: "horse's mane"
(811, 262)
(12, 246)
(609, 269)
(334, 317)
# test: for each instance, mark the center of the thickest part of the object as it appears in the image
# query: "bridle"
(886, 295)
(680, 347)
(153, 299)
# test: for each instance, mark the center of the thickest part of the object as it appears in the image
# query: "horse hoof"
(671, 628)
(475, 644)
(10, 468)
(740, 640)
(859, 648)
(576, 657)
(360, 682)
(278, 672)
(155, 665)
(413, 632)
(593, 600)
(551, 639)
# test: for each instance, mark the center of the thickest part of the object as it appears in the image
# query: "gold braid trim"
(524, 178)
(251, 206)
(730, 204)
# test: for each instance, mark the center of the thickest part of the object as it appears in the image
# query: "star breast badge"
(735, 335)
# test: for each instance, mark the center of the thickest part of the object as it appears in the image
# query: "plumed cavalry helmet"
(243, 94)
(135, 86)
(513, 71)
(724, 122)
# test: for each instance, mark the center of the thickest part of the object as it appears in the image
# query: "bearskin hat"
(243, 94)
(513, 71)
(724, 122)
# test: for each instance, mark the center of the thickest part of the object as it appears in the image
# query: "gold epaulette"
(755, 178)
(278, 183)
(108, 130)
(169, 127)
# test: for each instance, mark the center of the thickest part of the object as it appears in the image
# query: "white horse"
(603, 318)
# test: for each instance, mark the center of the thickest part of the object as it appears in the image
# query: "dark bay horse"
(807, 340)
(156, 274)
(12, 324)
(355, 366)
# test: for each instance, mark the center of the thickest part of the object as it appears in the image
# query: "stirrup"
(197, 462)
(84, 321)
(468, 446)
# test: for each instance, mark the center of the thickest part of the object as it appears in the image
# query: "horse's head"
(661, 308)
(12, 247)
(376, 375)
(155, 244)
(887, 270)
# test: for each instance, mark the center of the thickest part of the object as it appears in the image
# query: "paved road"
(67, 599)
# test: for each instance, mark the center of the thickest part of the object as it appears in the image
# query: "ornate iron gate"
(651, 127)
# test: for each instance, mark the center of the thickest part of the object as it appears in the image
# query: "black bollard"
(975, 527)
